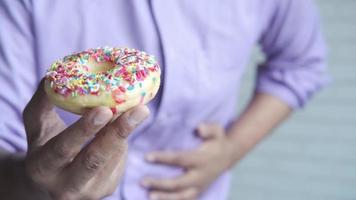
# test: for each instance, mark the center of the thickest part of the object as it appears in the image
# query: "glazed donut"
(118, 78)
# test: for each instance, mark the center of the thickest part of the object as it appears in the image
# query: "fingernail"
(102, 116)
(145, 183)
(154, 197)
(150, 157)
(202, 127)
(138, 115)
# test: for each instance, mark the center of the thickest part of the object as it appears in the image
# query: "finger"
(110, 141)
(39, 117)
(182, 159)
(210, 131)
(186, 194)
(39, 105)
(178, 183)
(61, 149)
(108, 177)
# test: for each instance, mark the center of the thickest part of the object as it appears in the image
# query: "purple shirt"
(203, 47)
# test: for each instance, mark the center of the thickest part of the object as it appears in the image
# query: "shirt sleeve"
(17, 71)
(295, 66)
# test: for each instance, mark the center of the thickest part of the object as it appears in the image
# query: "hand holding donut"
(56, 160)
(108, 87)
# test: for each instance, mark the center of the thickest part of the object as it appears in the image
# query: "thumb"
(210, 131)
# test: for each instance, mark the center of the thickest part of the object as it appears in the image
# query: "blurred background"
(313, 155)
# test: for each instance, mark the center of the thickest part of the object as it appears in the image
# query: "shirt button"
(162, 117)
(165, 117)
(277, 75)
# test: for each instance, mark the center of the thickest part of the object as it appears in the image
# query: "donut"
(118, 78)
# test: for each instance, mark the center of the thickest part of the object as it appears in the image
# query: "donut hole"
(99, 67)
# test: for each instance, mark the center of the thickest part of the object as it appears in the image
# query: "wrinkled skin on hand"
(82, 161)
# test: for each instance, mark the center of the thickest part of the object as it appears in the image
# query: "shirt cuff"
(291, 87)
(279, 91)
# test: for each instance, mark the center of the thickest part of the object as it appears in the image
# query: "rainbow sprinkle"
(71, 76)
